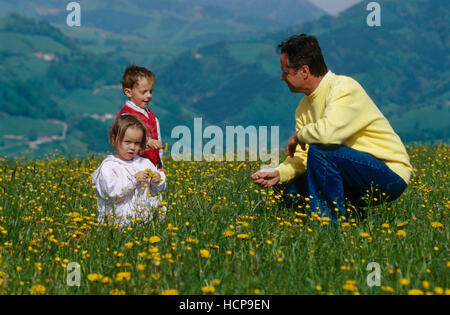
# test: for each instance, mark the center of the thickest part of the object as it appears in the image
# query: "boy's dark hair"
(304, 50)
(121, 125)
(133, 74)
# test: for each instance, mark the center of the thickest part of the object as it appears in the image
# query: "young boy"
(137, 85)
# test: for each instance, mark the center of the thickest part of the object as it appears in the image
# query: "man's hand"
(154, 144)
(266, 178)
(292, 145)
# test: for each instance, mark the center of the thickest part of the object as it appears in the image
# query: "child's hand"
(141, 176)
(156, 177)
(154, 144)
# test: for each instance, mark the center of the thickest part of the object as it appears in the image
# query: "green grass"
(48, 219)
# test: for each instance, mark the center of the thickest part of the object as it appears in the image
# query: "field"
(222, 235)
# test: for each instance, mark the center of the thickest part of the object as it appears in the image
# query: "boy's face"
(141, 93)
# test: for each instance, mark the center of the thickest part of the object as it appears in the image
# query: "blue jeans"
(335, 173)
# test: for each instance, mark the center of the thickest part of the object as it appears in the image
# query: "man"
(343, 147)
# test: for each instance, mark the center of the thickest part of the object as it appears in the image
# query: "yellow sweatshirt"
(340, 112)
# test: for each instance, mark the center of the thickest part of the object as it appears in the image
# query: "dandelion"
(123, 276)
(415, 292)
(208, 289)
(364, 235)
(116, 292)
(205, 253)
(129, 245)
(106, 280)
(404, 281)
(438, 290)
(436, 224)
(401, 233)
(243, 236)
(37, 289)
(141, 267)
(154, 239)
(386, 288)
(170, 292)
(228, 233)
(94, 277)
(349, 287)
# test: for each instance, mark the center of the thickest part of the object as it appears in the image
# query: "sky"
(334, 6)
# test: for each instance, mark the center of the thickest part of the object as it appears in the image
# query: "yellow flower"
(243, 236)
(106, 280)
(154, 239)
(438, 290)
(37, 289)
(401, 233)
(208, 289)
(205, 253)
(436, 224)
(257, 291)
(94, 277)
(117, 292)
(140, 267)
(425, 284)
(170, 292)
(364, 235)
(129, 245)
(228, 233)
(123, 276)
(404, 281)
(415, 292)
(386, 288)
(216, 281)
(349, 287)
(318, 288)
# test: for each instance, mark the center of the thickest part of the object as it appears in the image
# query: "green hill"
(403, 65)
(48, 73)
(150, 31)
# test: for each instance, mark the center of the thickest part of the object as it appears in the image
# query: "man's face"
(292, 77)
(141, 93)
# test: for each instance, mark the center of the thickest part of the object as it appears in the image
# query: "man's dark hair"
(133, 74)
(304, 50)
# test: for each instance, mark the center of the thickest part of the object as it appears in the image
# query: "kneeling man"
(343, 147)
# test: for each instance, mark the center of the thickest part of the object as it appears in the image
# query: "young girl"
(128, 186)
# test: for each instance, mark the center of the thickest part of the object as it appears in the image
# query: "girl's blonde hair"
(121, 125)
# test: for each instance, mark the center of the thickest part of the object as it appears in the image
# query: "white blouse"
(120, 195)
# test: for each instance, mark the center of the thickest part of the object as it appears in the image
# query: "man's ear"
(304, 71)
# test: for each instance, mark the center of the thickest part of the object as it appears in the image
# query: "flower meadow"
(222, 235)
